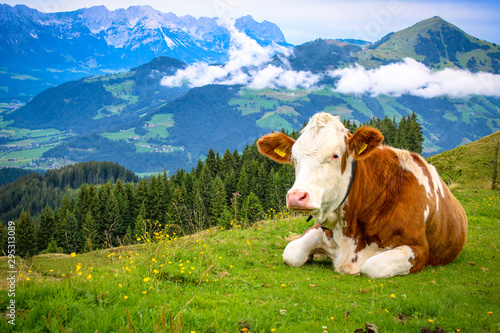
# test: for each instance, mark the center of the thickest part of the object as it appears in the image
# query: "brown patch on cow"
(343, 164)
(328, 233)
(277, 146)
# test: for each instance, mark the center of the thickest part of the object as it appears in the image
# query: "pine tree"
(103, 197)
(132, 204)
(123, 209)
(402, 135)
(415, 136)
(89, 232)
(200, 216)
(26, 242)
(218, 202)
(114, 223)
(139, 227)
(3, 239)
(46, 228)
(52, 247)
(389, 129)
(252, 208)
(243, 181)
(212, 163)
(61, 216)
(73, 238)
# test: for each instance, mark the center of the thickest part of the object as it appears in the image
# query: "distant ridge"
(39, 50)
(436, 43)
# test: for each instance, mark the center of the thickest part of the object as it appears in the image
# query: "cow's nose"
(297, 200)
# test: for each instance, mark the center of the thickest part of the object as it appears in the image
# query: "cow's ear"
(277, 146)
(364, 141)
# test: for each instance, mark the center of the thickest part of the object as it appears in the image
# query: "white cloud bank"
(414, 78)
(249, 65)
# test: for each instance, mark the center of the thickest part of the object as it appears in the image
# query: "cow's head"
(322, 156)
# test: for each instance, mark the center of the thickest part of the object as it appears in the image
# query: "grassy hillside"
(235, 281)
(471, 164)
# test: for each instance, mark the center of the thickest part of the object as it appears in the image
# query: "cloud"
(248, 64)
(414, 78)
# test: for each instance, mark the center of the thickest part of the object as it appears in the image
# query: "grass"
(23, 157)
(274, 121)
(234, 280)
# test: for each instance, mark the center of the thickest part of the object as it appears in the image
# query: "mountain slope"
(471, 164)
(436, 43)
(100, 103)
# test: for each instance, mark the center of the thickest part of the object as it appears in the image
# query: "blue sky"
(303, 21)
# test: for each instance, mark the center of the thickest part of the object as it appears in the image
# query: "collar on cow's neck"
(354, 163)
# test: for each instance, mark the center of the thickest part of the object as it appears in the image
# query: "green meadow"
(234, 280)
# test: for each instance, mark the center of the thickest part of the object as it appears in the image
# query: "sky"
(302, 21)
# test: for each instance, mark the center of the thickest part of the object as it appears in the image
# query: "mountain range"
(137, 120)
(39, 50)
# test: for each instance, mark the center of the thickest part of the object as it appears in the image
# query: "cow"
(379, 211)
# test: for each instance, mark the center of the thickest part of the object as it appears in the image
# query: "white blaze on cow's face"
(321, 184)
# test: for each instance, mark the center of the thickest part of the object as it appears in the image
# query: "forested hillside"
(8, 175)
(223, 191)
(36, 191)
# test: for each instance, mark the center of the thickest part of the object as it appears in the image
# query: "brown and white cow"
(380, 211)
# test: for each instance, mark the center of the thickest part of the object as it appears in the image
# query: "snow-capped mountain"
(96, 37)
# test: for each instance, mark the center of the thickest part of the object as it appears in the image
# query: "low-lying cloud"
(414, 78)
(250, 65)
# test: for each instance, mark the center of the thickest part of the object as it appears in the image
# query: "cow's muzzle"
(300, 201)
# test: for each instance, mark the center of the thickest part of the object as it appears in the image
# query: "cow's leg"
(389, 263)
(299, 251)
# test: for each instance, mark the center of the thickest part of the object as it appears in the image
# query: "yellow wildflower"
(146, 279)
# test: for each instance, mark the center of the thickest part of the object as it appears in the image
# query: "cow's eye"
(335, 157)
